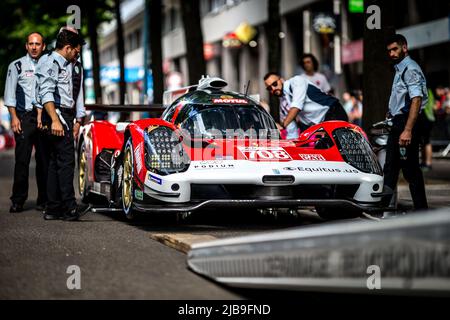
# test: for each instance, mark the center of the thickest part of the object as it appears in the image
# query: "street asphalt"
(117, 258)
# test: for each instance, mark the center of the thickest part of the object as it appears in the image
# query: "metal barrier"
(404, 255)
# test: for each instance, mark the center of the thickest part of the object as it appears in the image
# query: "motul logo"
(234, 101)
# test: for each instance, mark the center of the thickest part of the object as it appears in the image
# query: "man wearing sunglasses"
(301, 98)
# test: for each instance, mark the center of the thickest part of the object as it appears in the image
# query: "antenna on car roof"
(246, 88)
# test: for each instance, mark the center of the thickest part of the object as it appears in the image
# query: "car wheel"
(127, 180)
(82, 173)
(337, 213)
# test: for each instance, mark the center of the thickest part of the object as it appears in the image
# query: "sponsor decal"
(213, 165)
(265, 154)
(155, 179)
(321, 169)
(230, 100)
(138, 158)
(276, 171)
(312, 157)
(138, 194)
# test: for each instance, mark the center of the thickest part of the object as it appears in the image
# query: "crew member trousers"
(410, 167)
(60, 192)
(30, 137)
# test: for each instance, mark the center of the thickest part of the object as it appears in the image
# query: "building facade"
(329, 29)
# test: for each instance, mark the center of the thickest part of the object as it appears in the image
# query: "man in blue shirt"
(19, 97)
(408, 99)
(54, 92)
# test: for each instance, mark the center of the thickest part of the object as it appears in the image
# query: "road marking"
(181, 241)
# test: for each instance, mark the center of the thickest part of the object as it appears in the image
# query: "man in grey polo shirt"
(55, 95)
(19, 97)
(408, 98)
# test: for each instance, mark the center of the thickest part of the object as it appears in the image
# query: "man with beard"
(408, 99)
(300, 98)
(55, 95)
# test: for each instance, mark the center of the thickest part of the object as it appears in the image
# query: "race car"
(212, 148)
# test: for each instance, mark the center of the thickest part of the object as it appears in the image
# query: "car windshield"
(227, 121)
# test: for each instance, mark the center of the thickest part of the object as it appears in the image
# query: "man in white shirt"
(310, 64)
(299, 97)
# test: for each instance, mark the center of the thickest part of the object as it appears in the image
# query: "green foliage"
(18, 18)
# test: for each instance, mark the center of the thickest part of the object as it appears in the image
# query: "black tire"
(332, 213)
(127, 189)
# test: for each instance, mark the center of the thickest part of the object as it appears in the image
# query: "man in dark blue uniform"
(408, 98)
(55, 94)
(19, 97)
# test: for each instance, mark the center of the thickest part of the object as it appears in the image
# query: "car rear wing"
(154, 109)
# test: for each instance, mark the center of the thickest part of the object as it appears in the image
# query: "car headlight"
(164, 153)
(356, 150)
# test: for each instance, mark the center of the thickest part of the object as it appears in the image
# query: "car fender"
(98, 135)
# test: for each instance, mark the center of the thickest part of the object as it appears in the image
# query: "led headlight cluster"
(164, 153)
(356, 150)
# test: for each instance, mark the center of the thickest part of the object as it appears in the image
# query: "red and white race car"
(212, 148)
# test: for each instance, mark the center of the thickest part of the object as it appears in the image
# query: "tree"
(378, 73)
(19, 18)
(93, 39)
(190, 13)
(273, 29)
(120, 53)
(155, 36)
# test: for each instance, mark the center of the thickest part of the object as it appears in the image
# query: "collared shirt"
(409, 82)
(54, 81)
(20, 84)
(312, 102)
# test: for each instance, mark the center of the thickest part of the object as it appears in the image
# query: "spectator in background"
(310, 64)
(427, 125)
(347, 102)
(355, 114)
(447, 113)
(440, 99)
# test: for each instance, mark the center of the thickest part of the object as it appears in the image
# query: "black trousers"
(410, 167)
(60, 191)
(25, 141)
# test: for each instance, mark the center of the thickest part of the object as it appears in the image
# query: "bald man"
(19, 98)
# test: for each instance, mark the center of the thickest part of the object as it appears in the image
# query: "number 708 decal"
(265, 154)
